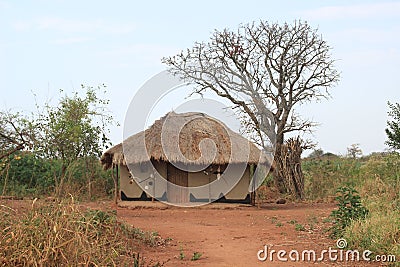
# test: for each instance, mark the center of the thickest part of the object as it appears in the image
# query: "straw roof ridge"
(182, 137)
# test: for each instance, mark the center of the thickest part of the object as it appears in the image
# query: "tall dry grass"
(62, 234)
(377, 179)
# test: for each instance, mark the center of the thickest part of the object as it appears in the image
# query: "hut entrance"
(178, 177)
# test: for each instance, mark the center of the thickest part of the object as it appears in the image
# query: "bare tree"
(265, 70)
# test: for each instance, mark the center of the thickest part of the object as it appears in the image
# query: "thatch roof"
(191, 131)
(113, 155)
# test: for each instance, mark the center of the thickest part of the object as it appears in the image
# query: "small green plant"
(312, 221)
(292, 222)
(136, 260)
(279, 224)
(196, 256)
(327, 219)
(181, 254)
(349, 209)
(299, 227)
(274, 219)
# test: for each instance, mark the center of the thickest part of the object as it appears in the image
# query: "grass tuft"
(61, 234)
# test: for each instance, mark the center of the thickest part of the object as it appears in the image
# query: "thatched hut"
(179, 153)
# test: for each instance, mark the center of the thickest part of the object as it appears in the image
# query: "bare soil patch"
(231, 235)
(225, 234)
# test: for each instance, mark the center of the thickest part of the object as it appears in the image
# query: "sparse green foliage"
(181, 254)
(77, 127)
(25, 174)
(59, 144)
(312, 221)
(393, 130)
(327, 220)
(349, 209)
(299, 227)
(196, 256)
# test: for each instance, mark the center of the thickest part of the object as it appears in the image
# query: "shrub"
(28, 175)
(25, 174)
(349, 209)
(323, 176)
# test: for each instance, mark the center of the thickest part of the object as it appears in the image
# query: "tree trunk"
(89, 176)
(115, 179)
(253, 190)
(5, 180)
(278, 173)
(60, 185)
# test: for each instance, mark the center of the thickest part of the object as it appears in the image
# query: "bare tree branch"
(264, 70)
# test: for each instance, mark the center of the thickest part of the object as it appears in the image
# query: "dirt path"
(232, 235)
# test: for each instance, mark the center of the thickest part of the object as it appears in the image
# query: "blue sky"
(47, 45)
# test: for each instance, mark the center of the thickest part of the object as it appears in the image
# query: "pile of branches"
(289, 166)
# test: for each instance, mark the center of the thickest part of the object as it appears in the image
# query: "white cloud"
(73, 25)
(369, 10)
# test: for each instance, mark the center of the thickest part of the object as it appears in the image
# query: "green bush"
(28, 175)
(349, 209)
(324, 175)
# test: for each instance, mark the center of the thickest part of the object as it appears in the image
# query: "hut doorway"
(178, 177)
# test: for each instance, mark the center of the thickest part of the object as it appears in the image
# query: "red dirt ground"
(226, 234)
(231, 235)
